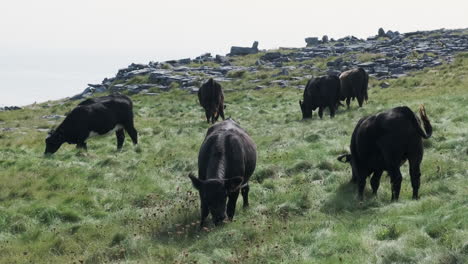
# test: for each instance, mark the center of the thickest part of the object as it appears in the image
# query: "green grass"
(139, 206)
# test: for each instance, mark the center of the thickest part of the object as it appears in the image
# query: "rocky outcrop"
(10, 108)
(390, 55)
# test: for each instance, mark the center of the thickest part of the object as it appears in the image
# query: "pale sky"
(71, 43)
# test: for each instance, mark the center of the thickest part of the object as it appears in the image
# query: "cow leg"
(361, 186)
(396, 178)
(216, 116)
(221, 111)
(320, 112)
(360, 100)
(231, 205)
(132, 133)
(245, 195)
(213, 118)
(120, 138)
(348, 101)
(332, 110)
(82, 145)
(204, 215)
(207, 116)
(375, 181)
(362, 183)
(415, 173)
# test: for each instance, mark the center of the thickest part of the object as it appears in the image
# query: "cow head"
(305, 109)
(214, 193)
(54, 140)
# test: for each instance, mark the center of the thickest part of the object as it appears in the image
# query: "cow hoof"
(137, 148)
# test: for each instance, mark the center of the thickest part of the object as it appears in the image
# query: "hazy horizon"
(52, 49)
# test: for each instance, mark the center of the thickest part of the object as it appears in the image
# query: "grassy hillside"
(138, 206)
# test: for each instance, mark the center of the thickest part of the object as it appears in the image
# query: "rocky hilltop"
(386, 55)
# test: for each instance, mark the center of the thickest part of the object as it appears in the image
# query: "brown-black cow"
(321, 92)
(226, 160)
(354, 85)
(383, 142)
(211, 98)
(92, 117)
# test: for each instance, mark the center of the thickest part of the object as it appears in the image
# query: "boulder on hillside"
(324, 39)
(239, 51)
(312, 41)
(222, 59)
(10, 108)
(381, 32)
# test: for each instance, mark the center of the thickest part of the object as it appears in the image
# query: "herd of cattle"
(227, 156)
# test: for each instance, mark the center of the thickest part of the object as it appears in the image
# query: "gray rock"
(331, 63)
(222, 59)
(390, 34)
(236, 51)
(281, 83)
(10, 108)
(8, 129)
(259, 62)
(366, 64)
(384, 85)
(184, 61)
(312, 41)
(333, 72)
(381, 71)
(193, 90)
(284, 71)
(325, 39)
(381, 32)
(53, 117)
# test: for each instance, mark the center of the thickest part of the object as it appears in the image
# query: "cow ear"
(345, 158)
(233, 184)
(197, 183)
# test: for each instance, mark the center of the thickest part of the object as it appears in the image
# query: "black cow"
(96, 116)
(226, 160)
(383, 142)
(321, 92)
(354, 85)
(211, 98)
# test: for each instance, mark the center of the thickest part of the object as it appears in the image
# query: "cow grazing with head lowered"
(383, 142)
(354, 85)
(226, 160)
(96, 116)
(211, 98)
(320, 92)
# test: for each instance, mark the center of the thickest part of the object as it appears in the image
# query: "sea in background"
(29, 76)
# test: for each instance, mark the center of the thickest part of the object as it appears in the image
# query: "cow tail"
(425, 120)
(366, 84)
(338, 92)
(426, 123)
